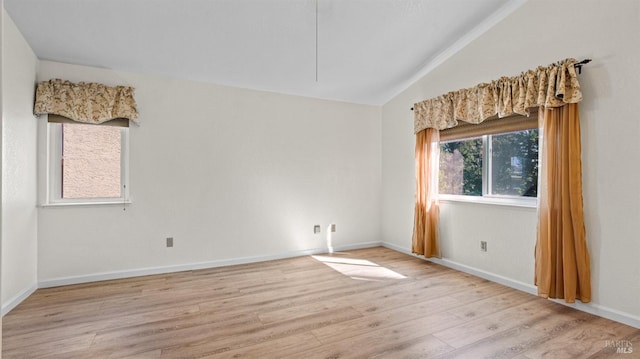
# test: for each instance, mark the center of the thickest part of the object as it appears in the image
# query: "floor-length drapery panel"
(425, 226)
(562, 258)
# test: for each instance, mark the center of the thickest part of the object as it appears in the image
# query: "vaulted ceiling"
(362, 51)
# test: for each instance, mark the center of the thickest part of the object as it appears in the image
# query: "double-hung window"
(493, 162)
(87, 164)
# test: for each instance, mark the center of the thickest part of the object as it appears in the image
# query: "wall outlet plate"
(483, 246)
(169, 241)
(333, 227)
(316, 229)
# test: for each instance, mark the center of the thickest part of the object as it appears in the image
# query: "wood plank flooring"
(369, 303)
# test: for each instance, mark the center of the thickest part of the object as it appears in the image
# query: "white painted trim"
(515, 284)
(590, 308)
(56, 282)
(468, 38)
(604, 312)
(19, 298)
(523, 202)
(524, 287)
(87, 203)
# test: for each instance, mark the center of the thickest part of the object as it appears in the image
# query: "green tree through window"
(461, 167)
(511, 161)
(514, 164)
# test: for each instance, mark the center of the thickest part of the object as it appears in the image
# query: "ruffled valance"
(551, 86)
(85, 102)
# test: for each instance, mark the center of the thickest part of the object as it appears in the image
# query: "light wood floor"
(365, 303)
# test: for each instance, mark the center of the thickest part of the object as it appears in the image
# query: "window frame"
(53, 181)
(487, 197)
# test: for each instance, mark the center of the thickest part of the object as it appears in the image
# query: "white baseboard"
(591, 308)
(521, 286)
(56, 282)
(605, 312)
(13, 302)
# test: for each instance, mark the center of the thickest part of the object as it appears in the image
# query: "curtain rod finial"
(579, 65)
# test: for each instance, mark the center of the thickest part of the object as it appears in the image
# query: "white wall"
(19, 126)
(1, 120)
(229, 173)
(539, 33)
(233, 174)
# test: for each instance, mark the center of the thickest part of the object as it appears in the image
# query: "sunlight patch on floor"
(359, 269)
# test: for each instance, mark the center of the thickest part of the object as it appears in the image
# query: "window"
(490, 163)
(461, 167)
(87, 163)
(514, 164)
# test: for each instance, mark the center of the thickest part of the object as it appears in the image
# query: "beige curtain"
(551, 86)
(85, 102)
(562, 258)
(562, 268)
(425, 226)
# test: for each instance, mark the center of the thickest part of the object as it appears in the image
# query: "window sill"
(74, 204)
(494, 201)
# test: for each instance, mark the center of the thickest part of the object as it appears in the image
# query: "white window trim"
(528, 202)
(51, 188)
(487, 198)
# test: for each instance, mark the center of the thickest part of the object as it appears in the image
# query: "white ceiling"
(367, 50)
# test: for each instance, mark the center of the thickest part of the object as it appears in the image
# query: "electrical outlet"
(316, 229)
(483, 246)
(169, 241)
(333, 227)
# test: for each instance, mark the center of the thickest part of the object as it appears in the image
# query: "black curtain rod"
(577, 65)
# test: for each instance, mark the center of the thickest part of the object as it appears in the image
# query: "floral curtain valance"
(551, 86)
(85, 102)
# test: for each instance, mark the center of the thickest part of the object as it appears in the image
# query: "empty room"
(320, 179)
